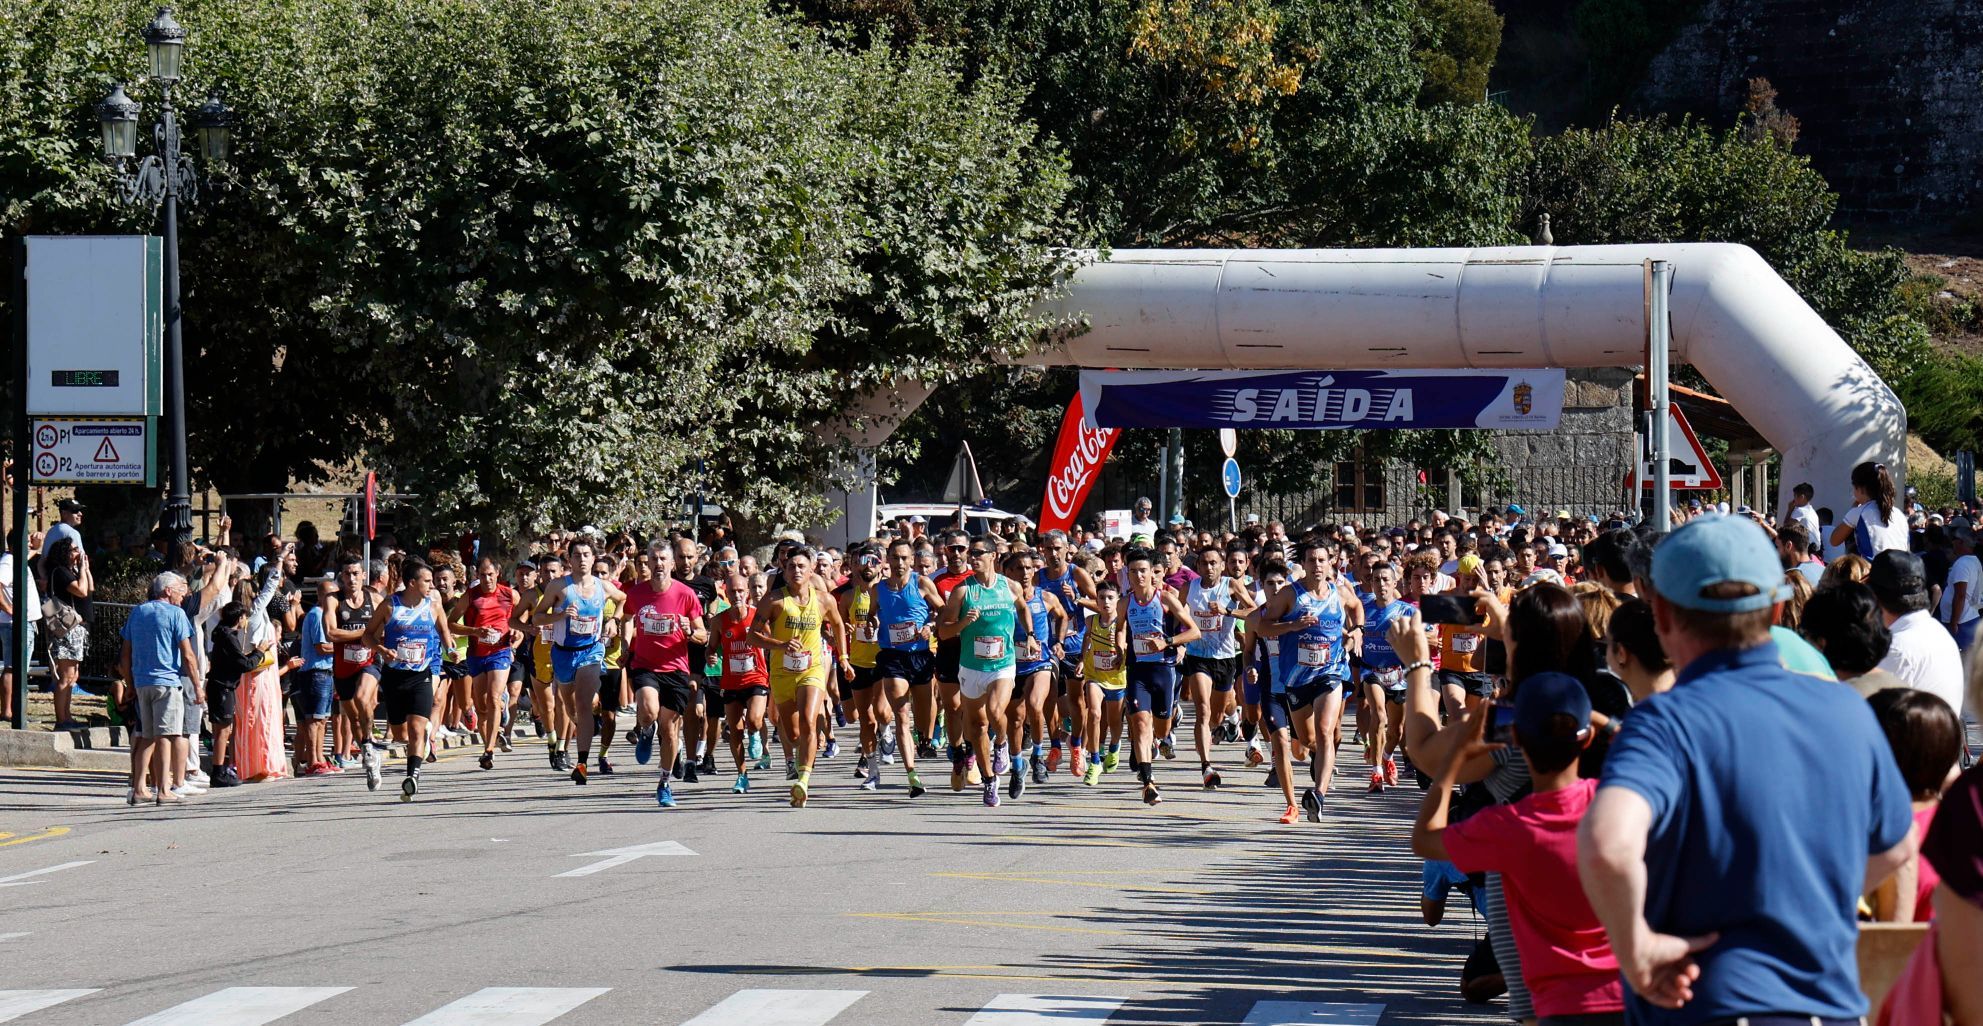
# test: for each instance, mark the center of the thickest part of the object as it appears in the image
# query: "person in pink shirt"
(1567, 963)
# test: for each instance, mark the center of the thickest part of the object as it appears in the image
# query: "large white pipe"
(1746, 330)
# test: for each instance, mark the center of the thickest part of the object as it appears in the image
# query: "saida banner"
(1324, 399)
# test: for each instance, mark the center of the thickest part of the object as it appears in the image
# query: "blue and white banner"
(1324, 399)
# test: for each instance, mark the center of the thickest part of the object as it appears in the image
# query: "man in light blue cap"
(1742, 813)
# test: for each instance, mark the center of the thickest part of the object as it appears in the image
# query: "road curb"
(58, 749)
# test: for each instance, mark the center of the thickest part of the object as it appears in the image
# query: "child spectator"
(1926, 736)
(1566, 962)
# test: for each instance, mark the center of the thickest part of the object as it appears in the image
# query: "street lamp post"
(163, 178)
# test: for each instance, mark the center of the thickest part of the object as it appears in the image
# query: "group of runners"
(1006, 660)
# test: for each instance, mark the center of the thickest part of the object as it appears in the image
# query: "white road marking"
(1045, 1010)
(778, 1008)
(1313, 1013)
(622, 856)
(16, 1003)
(510, 1006)
(21, 879)
(241, 1006)
(4, 937)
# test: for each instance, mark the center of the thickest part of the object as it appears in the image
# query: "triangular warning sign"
(107, 453)
(1687, 459)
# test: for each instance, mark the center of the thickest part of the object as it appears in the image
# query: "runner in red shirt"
(663, 618)
(746, 689)
(482, 615)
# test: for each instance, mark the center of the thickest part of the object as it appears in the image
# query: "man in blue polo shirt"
(1741, 814)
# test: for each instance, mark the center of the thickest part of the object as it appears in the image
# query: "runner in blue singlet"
(1318, 622)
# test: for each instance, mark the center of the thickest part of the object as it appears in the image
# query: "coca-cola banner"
(1325, 399)
(1077, 461)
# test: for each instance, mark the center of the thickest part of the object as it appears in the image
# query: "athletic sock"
(1056, 745)
(1143, 773)
(412, 765)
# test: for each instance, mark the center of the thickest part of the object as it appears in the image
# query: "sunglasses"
(976, 553)
(956, 548)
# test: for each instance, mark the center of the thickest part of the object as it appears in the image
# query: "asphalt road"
(315, 901)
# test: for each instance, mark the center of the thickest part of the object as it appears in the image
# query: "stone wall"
(1889, 92)
(1582, 464)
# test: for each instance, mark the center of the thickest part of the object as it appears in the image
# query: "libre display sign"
(95, 320)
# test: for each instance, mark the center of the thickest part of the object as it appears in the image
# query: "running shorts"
(712, 696)
(1479, 684)
(864, 678)
(976, 684)
(1276, 712)
(1152, 689)
(1301, 696)
(739, 700)
(406, 693)
(519, 671)
(1071, 667)
(612, 690)
(1222, 671)
(565, 662)
(899, 664)
(313, 694)
(347, 685)
(676, 690)
(1109, 694)
(947, 654)
(499, 661)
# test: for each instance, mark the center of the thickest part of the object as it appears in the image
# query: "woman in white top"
(1875, 523)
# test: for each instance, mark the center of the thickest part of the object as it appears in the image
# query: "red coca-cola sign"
(1077, 460)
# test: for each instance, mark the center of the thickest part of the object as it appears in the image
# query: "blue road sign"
(1230, 474)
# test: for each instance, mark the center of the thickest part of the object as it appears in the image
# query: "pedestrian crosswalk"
(536, 1006)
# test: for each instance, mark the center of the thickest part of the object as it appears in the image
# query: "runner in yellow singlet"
(792, 624)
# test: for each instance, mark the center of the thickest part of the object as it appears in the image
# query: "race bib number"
(991, 646)
(1210, 623)
(411, 651)
(582, 626)
(742, 664)
(657, 625)
(357, 654)
(902, 633)
(865, 632)
(1273, 648)
(544, 631)
(1390, 678)
(797, 662)
(492, 636)
(1108, 660)
(1149, 644)
(1313, 653)
(1465, 642)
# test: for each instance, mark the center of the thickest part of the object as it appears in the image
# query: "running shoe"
(925, 749)
(743, 784)
(409, 787)
(1078, 763)
(754, 747)
(370, 757)
(1391, 772)
(1289, 816)
(888, 744)
(557, 758)
(957, 775)
(1212, 780)
(1273, 778)
(1168, 746)
(1001, 760)
(1111, 761)
(578, 773)
(1253, 756)
(643, 744)
(1376, 781)
(763, 760)
(708, 764)
(487, 762)
(991, 794)
(503, 742)
(605, 768)
(832, 746)
(692, 773)
(1040, 769)
(971, 774)
(791, 770)
(1017, 786)
(861, 769)
(1311, 803)
(872, 783)
(1094, 774)
(1151, 795)
(676, 771)
(664, 795)
(799, 791)
(1053, 760)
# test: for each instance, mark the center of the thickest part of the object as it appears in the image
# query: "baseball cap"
(1712, 550)
(70, 505)
(1542, 576)
(1562, 514)
(1545, 696)
(1517, 511)
(919, 519)
(1693, 504)
(1557, 550)
(1469, 564)
(1898, 574)
(1253, 518)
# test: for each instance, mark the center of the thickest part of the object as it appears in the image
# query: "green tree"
(545, 260)
(1458, 40)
